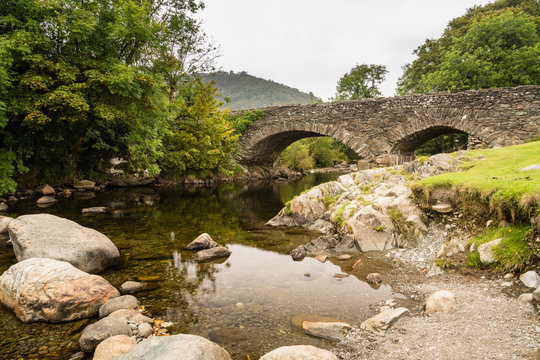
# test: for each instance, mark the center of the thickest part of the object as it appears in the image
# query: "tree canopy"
(490, 46)
(361, 82)
(84, 81)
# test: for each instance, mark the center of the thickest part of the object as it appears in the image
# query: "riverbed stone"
(299, 252)
(487, 256)
(184, 346)
(213, 253)
(374, 278)
(443, 208)
(40, 289)
(85, 185)
(114, 346)
(118, 303)
(144, 330)
(94, 210)
(46, 190)
(49, 236)
(530, 279)
(45, 200)
(381, 322)
(130, 315)
(3, 207)
(131, 286)
(103, 329)
(440, 301)
(4, 222)
(202, 242)
(327, 330)
(299, 352)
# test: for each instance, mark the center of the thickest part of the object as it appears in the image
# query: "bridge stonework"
(397, 125)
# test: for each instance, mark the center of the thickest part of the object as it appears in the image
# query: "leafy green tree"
(491, 45)
(89, 80)
(296, 156)
(361, 82)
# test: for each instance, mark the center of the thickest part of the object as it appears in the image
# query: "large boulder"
(372, 229)
(181, 346)
(299, 352)
(217, 252)
(41, 289)
(49, 236)
(101, 330)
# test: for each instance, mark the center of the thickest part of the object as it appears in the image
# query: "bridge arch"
(265, 147)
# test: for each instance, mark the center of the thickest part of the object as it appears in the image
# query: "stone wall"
(398, 125)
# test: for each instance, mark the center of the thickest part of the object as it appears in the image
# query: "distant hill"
(250, 92)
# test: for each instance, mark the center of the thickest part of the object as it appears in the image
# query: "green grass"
(394, 214)
(496, 173)
(513, 252)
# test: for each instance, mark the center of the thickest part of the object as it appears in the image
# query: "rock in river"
(203, 241)
(114, 346)
(49, 236)
(181, 346)
(105, 328)
(213, 253)
(299, 352)
(118, 303)
(40, 289)
(327, 330)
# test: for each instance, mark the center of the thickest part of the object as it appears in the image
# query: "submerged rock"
(85, 185)
(299, 352)
(49, 236)
(202, 242)
(41, 289)
(184, 346)
(131, 286)
(213, 253)
(328, 330)
(94, 210)
(379, 323)
(45, 200)
(442, 300)
(374, 278)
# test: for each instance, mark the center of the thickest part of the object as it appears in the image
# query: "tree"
(89, 80)
(490, 46)
(361, 82)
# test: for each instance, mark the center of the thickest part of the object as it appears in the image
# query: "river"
(245, 303)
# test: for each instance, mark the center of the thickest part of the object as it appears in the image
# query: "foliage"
(512, 253)
(361, 82)
(443, 144)
(200, 137)
(242, 120)
(316, 152)
(490, 46)
(245, 91)
(88, 81)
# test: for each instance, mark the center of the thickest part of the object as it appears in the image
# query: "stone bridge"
(397, 125)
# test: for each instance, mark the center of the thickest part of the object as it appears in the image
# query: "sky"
(311, 44)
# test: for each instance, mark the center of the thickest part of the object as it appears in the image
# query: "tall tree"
(87, 80)
(361, 82)
(490, 46)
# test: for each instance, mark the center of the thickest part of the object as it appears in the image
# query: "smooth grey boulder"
(144, 330)
(203, 241)
(530, 279)
(130, 315)
(299, 352)
(213, 253)
(181, 346)
(4, 222)
(131, 286)
(49, 236)
(114, 346)
(103, 329)
(487, 256)
(41, 289)
(118, 303)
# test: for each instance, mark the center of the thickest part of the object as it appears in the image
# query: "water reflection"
(245, 302)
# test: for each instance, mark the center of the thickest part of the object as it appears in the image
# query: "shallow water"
(245, 303)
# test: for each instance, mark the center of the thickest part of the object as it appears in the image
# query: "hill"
(249, 92)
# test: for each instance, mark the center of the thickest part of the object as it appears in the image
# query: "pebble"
(344, 257)
(506, 284)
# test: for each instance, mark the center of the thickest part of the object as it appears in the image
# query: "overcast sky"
(310, 44)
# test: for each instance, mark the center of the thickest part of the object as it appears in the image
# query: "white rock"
(203, 241)
(442, 208)
(525, 299)
(442, 300)
(299, 352)
(530, 279)
(4, 222)
(382, 321)
(530, 167)
(328, 330)
(486, 251)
